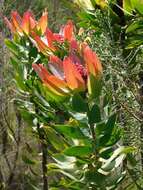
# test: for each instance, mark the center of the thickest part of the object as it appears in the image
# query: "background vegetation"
(117, 38)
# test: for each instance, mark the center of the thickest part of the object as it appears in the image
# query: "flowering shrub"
(66, 104)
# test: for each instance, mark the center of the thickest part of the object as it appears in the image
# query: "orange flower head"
(65, 34)
(92, 61)
(24, 25)
(74, 73)
(64, 76)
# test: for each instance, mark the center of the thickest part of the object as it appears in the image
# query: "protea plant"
(75, 69)
(82, 139)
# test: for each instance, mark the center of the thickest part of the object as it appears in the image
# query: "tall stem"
(93, 134)
(44, 156)
(44, 166)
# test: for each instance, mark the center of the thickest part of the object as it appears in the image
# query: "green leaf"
(134, 25)
(110, 123)
(62, 159)
(108, 130)
(57, 168)
(81, 117)
(117, 156)
(128, 150)
(94, 114)
(27, 115)
(133, 162)
(20, 82)
(138, 5)
(42, 100)
(116, 135)
(28, 160)
(20, 73)
(100, 128)
(115, 178)
(78, 151)
(70, 131)
(33, 52)
(106, 152)
(110, 166)
(127, 5)
(135, 41)
(94, 86)
(49, 95)
(78, 103)
(95, 177)
(55, 139)
(12, 46)
(85, 4)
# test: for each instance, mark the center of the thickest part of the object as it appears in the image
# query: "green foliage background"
(123, 73)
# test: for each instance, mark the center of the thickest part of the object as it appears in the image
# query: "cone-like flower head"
(62, 77)
(52, 40)
(92, 61)
(24, 25)
(71, 74)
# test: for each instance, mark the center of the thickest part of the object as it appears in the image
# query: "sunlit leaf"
(70, 131)
(78, 151)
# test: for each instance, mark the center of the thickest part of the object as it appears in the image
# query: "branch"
(44, 156)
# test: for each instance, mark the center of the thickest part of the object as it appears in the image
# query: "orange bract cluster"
(48, 41)
(70, 74)
(64, 74)
(24, 25)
